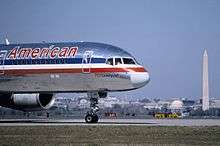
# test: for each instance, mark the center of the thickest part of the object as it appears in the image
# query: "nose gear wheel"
(91, 116)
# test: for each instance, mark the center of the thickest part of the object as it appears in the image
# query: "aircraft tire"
(91, 118)
(95, 118)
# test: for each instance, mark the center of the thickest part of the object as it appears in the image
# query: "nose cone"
(140, 79)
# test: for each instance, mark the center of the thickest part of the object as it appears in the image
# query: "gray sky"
(167, 36)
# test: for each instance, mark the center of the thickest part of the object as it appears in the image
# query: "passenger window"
(57, 61)
(110, 61)
(42, 61)
(33, 61)
(47, 61)
(38, 61)
(128, 61)
(62, 61)
(22, 62)
(52, 61)
(118, 61)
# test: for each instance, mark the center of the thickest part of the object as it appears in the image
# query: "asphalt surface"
(109, 122)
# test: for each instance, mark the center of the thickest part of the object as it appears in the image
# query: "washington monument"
(205, 95)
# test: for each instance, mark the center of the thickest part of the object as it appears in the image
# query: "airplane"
(32, 73)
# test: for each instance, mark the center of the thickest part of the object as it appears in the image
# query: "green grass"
(102, 135)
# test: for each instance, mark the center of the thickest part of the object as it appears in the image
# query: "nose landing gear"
(91, 116)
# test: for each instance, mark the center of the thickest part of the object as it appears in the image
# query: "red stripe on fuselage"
(71, 70)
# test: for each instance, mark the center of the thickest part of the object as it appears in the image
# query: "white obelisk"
(205, 95)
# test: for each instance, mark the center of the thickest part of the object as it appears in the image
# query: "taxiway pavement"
(106, 122)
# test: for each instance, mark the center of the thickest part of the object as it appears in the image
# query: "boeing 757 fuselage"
(30, 74)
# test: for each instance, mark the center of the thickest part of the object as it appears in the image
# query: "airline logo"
(113, 75)
(34, 53)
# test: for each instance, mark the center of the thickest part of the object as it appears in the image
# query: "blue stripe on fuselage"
(49, 61)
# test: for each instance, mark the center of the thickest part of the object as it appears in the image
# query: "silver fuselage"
(67, 67)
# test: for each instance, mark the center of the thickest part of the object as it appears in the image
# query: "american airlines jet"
(31, 74)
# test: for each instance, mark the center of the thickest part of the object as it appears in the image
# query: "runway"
(109, 122)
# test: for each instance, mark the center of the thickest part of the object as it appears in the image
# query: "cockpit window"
(128, 61)
(118, 61)
(136, 62)
(109, 61)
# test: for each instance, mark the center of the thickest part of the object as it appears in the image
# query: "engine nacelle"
(27, 102)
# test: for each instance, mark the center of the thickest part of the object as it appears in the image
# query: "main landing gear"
(91, 116)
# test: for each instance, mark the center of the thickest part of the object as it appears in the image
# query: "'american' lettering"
(33, 53)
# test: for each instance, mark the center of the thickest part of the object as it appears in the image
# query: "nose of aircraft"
(140, 79)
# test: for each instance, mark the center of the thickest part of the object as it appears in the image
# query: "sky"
(167, 36)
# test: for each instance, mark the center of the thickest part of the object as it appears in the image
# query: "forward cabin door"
(2, 61)
(86, 61)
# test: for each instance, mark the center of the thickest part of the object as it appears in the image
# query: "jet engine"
(27, 102)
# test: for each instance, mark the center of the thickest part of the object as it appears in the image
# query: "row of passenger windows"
(110, 61)
(50, 61)
(118, 61)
